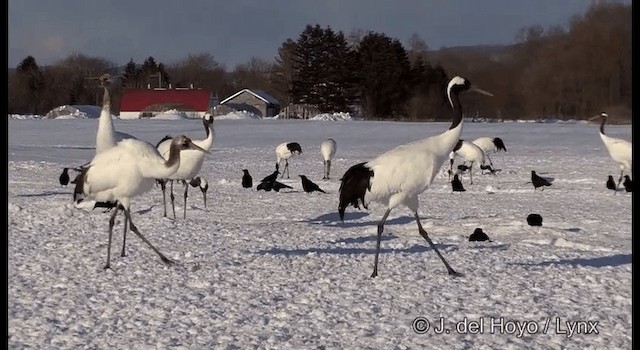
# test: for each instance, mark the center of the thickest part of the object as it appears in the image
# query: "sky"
(235, 31)
(267, 270)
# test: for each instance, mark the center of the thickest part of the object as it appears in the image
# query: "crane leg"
(173, 208)
(186, 188)
(204, 196)
(471, 173)
(424, 234)
(286, 168)
(163, 187)
(620, 179)
(133, 228)
(324, 176)
(112, 221)
(124, 236)
(328, 168)
(380, 228)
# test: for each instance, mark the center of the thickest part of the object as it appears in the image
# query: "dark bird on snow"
(271, 178)
(268, 186)
(64, 177)
(534, 220)
(277, 186)
(539, 181)
(611, 184)
(247, 180)
(627, 183)
(456, 184)
(309, 186)
(478, 236)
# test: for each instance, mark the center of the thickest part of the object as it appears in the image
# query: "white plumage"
(190, 164)
(107, 136)
(471, 153)
(127, 170)
(328, 150)
(398, 176)
(619, 149)
(284, 152)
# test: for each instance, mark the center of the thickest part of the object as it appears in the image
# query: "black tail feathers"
(354, 184)
(78, 190)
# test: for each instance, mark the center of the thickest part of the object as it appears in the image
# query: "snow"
(238, 115)
(171, 114)
(280, 271)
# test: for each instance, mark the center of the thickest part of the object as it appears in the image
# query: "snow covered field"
(267, 270)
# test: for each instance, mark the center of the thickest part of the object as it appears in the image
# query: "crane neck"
(454, 99)
(173, 162)
(604, 120)
(208, 141)
(106, 100)
(105, 137)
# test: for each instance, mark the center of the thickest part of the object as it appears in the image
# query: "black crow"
(247, 181)
(627, 183)
(539, 181)
(478, 236)
(456, 184)
(309, 186)
(611, 183)
(64, 177)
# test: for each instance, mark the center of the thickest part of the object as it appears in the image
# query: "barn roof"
(139, 99)
(257, 93)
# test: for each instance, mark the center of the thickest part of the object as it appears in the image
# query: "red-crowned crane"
(190, 165)
(125, 171)
(471, 153)
(619, 149)
(328, 150)
(490, 145)
(398, 176)
(284, 152)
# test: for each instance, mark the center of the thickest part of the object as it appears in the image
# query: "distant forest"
(573, 71)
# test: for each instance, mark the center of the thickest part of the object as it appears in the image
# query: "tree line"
(554, 72)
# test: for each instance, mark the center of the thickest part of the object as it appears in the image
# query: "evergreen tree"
(384, 76)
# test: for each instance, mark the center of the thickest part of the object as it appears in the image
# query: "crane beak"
(473, 88)
(594, 118)
(195, 147)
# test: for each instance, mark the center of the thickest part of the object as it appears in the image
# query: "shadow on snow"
(603, 261)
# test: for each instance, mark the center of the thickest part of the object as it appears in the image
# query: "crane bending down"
(328, 151)
(127, 170)
(398, 176)
(490, 145)
(470, 152)
(284, 151)
(619, 149)
(190, 165)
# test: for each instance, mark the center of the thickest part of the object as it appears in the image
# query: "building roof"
(257, 93)
(139, 99)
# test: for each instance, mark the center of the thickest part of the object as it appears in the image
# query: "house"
(145, 103)
(255, 101)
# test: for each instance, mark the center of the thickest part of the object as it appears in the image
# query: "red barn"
(141, 103)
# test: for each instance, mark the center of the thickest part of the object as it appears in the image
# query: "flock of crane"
(125, 167)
